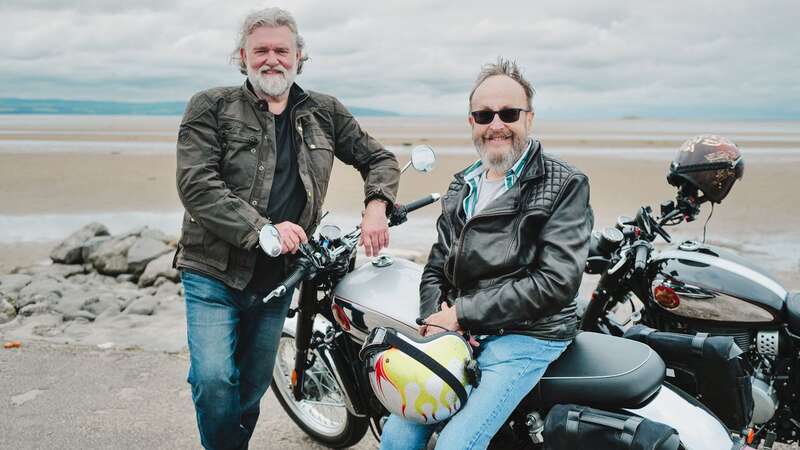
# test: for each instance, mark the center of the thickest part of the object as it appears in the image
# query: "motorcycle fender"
(697, 429)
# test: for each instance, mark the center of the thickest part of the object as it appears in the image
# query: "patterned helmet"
(424, 379)
(708, 163)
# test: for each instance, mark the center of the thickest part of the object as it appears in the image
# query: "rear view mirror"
(422, 158)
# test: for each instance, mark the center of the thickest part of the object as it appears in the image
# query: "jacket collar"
(528, 167)
(296, 95)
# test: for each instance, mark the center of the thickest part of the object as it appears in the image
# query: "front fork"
(306, 310)
(333, 350)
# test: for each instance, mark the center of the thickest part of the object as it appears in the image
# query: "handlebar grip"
(641, 258)
(422, 202)
(298, 274)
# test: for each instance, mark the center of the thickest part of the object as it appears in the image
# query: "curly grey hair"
(510, 69)
(273, 18)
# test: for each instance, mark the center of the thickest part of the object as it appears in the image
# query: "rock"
(143, 251)
(111, 257)
(69, 250)
(7, 311)
(156, 234)
(97, 305)
(144, 306)
(167, 288)
(34, 309)
(91, 245)
(159, 267)
(110, 312)
(72, 302)
(13, 283)
(38, 290)
(54, 270)
(125, 277)
(79, 315)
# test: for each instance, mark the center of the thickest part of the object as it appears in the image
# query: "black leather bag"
(709, 367)
(580, 427)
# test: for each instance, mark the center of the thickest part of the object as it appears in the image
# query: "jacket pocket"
(239, 143)
(320, 158)
(216, 251)
(204, 247)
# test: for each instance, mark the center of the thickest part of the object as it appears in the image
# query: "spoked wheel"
(321, 413)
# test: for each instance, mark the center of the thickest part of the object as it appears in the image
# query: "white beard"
(501, 163)
(272, 85)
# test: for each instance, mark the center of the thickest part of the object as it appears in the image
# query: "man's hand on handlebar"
(292, 235)
(374, 229)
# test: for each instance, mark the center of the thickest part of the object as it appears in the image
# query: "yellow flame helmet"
(423, 379)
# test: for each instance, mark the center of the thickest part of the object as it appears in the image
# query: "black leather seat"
(603, 372)
(793, 312)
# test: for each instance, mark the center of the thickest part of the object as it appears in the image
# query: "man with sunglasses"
(513, 241)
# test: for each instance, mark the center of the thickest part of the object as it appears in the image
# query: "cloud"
(586, 59)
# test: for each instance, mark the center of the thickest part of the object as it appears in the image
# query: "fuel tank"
(384, 292)
(704, 282)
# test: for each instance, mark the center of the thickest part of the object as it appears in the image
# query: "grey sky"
(716, 59)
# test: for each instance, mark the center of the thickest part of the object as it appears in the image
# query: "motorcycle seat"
(793, 311)
(601, 371)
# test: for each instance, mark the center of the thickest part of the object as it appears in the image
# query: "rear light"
(340, 316)
(666, 297)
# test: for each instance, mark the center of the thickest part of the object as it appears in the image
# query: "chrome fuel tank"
(384, 292)
(715, 285)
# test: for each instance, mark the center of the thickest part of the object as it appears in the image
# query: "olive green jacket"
(225, 164)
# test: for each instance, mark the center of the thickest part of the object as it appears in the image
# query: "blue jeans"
(233, 339)
(511, 365)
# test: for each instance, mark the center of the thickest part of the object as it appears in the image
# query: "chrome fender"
(697, 429)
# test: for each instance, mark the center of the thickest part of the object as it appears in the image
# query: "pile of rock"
(94, 276)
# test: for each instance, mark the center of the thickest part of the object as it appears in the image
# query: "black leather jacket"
(515, 267)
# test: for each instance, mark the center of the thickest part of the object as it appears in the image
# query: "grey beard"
(502, 163)
(273, 86)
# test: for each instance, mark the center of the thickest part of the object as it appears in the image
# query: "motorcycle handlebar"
(298, 274)
(641, 258)
(400, 212)
(422, 202)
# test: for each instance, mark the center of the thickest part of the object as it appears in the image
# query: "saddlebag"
(573, 427)
(709, 367)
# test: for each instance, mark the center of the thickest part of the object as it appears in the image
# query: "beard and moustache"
(500, 162)
(273, 85)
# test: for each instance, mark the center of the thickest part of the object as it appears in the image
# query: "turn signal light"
(294, 378)
(340, 316)
(666, 297)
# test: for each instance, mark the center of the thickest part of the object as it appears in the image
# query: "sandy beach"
(61, 170)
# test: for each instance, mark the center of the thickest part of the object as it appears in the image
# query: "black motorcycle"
(324, 387)
(693, 288)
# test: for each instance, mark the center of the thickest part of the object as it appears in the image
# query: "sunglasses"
(508, 115)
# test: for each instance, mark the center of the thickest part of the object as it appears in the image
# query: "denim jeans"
(233, 338)
(511, 365)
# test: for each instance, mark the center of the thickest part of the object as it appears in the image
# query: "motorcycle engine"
(765, 401)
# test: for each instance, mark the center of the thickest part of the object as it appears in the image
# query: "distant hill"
(91, 107)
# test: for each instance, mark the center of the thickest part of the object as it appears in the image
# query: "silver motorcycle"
(323, 386)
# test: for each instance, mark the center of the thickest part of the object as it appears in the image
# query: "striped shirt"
(475, 172)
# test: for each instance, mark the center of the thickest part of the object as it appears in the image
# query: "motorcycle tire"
(350, 429)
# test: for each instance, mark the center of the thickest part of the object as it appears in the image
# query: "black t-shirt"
(287, 198)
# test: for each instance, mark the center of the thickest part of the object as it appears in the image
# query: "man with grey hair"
(251, 159)
(513, 240)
